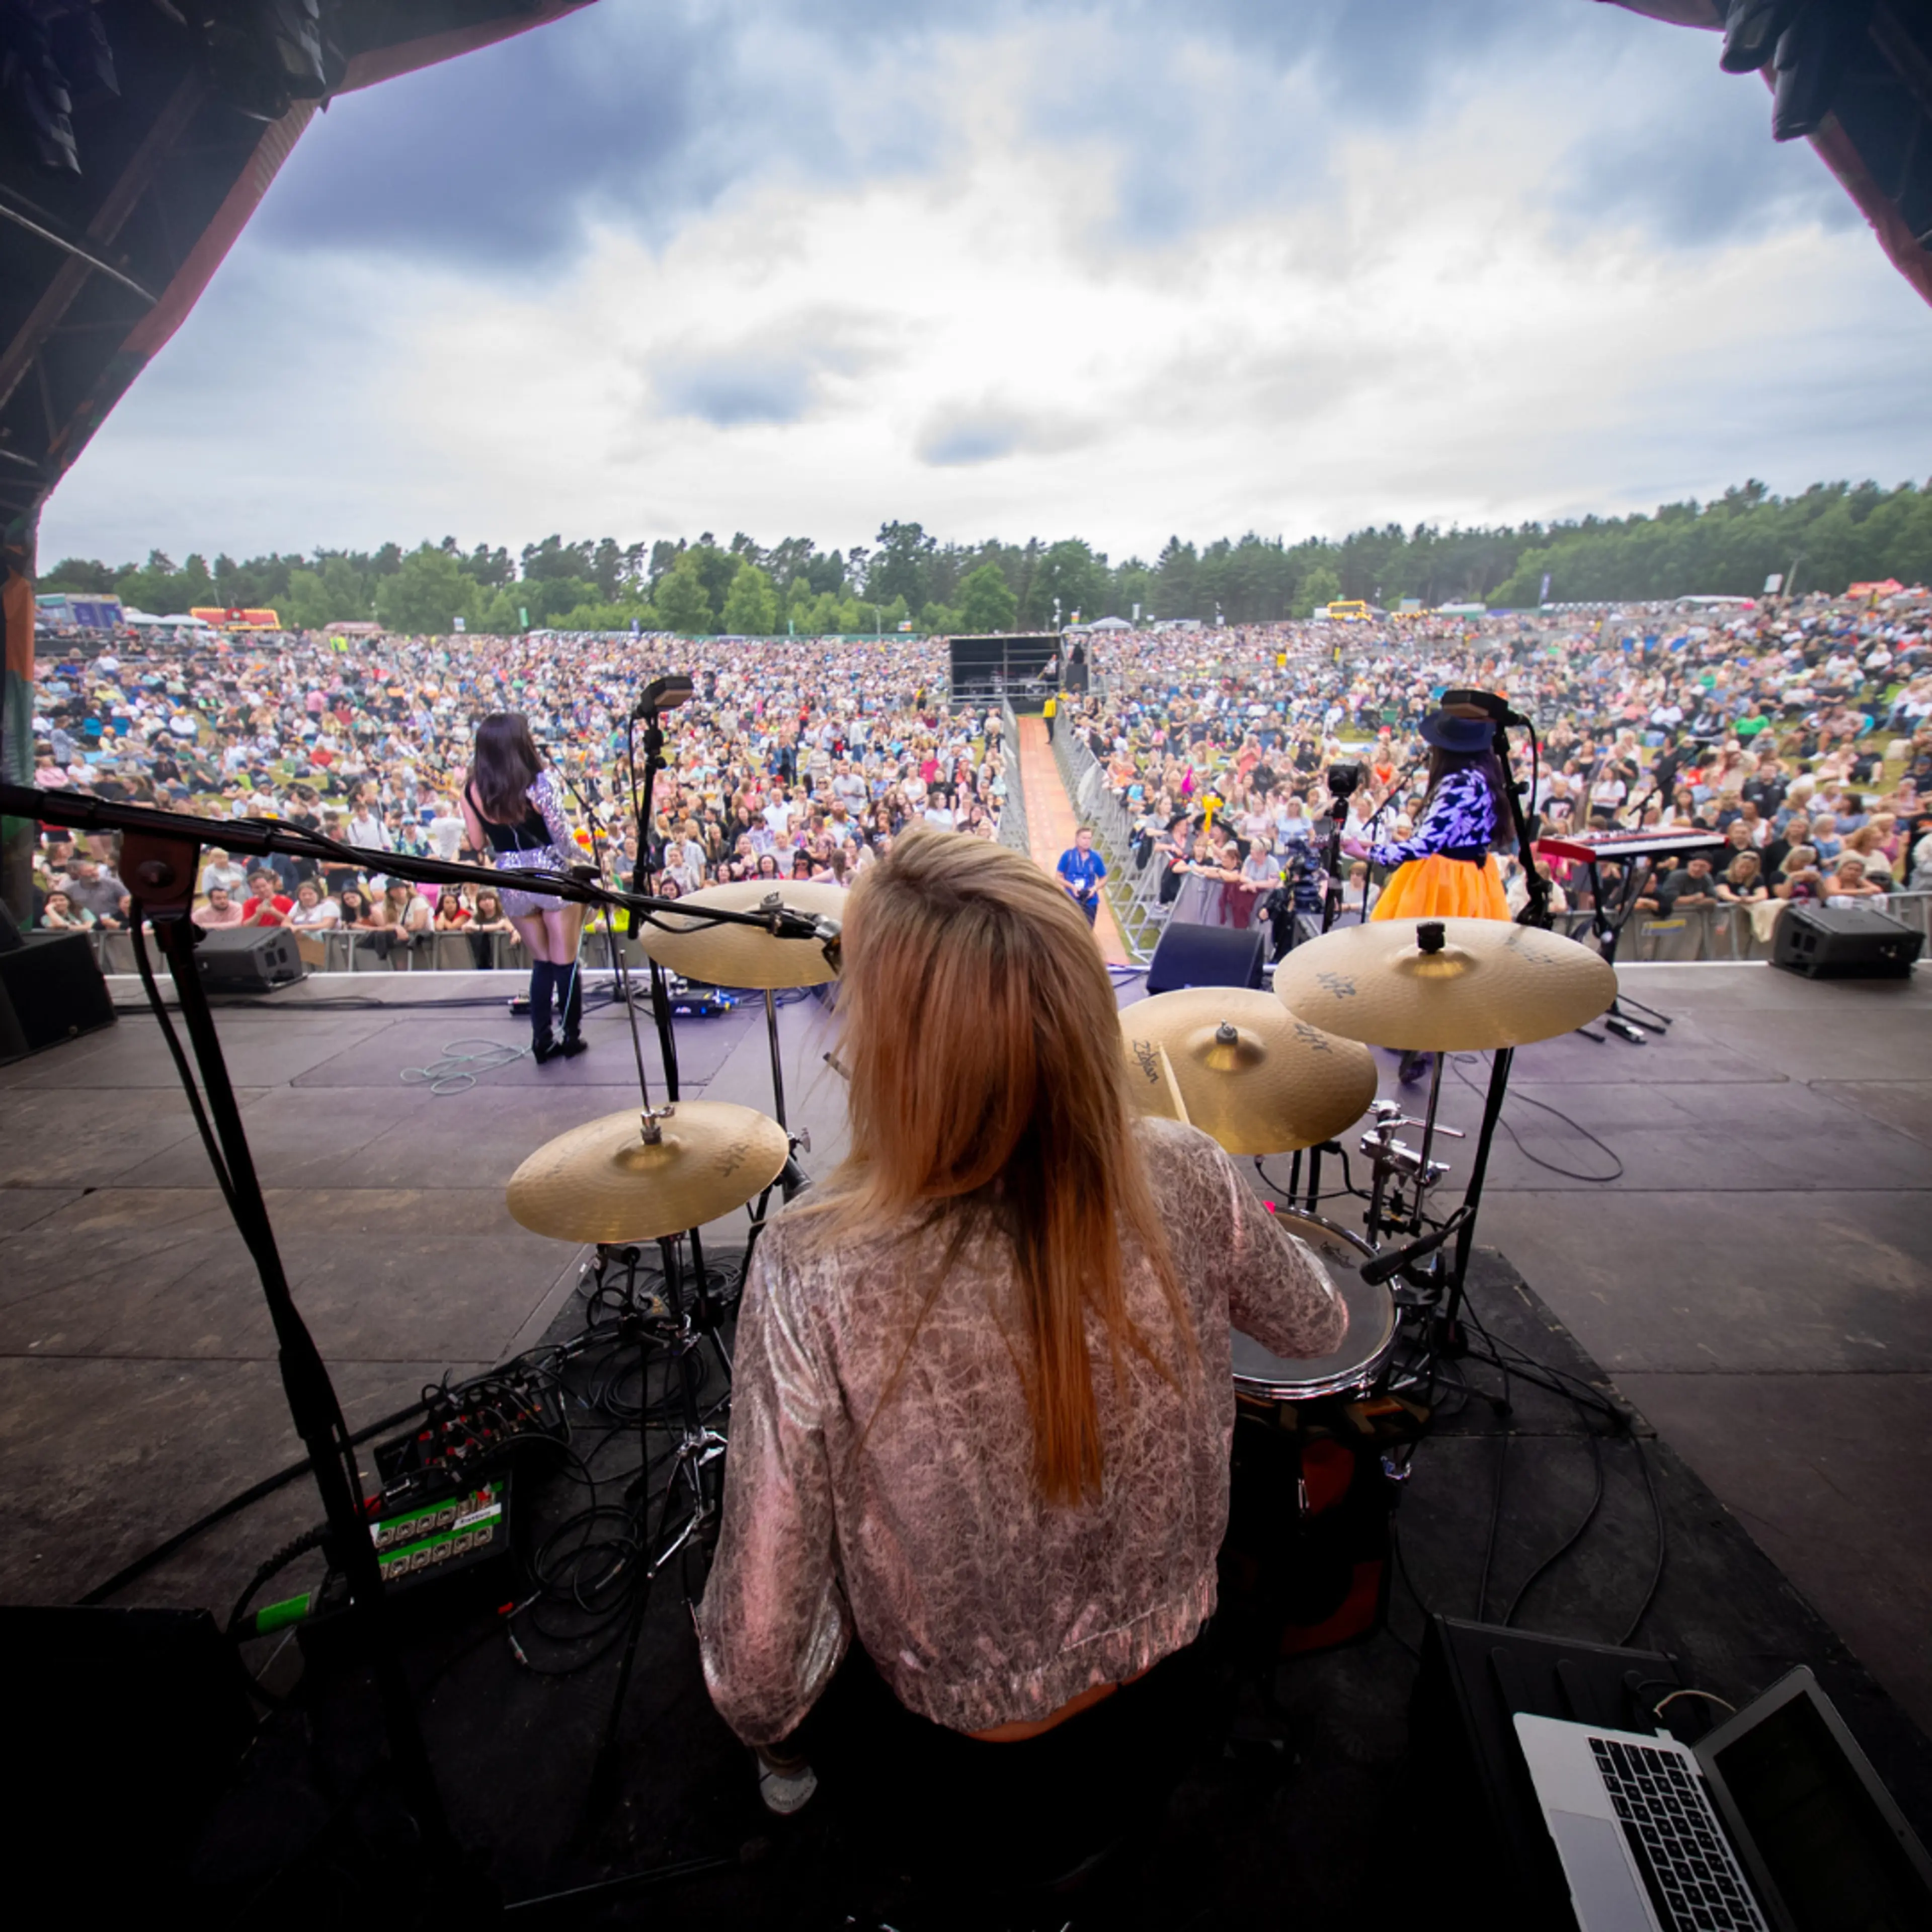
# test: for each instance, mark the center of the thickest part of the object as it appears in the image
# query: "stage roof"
(136, 141)
(1856, 82)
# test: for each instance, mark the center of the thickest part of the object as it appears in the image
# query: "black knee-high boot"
(543, 1039)
(570, 1007)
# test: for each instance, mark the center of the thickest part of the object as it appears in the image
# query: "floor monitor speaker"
(1206, 955)
(248, 959)
(1844, 942)
(50, 990)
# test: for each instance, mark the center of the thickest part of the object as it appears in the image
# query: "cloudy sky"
(1021, 268)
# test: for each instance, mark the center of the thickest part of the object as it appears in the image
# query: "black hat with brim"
(1448, 733)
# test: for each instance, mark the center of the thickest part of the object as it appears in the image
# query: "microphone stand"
(1331, 860)
(640, 874)
(162, 871)
(620, 973)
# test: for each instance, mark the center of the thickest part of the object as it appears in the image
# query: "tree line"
(1833, 535)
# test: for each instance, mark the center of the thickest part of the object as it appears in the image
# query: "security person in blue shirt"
(1080, 870)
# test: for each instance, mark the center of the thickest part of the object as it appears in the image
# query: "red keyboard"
(1589, 845)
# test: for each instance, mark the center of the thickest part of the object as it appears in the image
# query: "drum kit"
(1289, 1072)
(1283, 1072)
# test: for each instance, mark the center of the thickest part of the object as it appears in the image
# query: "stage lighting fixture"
(33, 91)
(1751, 32)
(263, 55)
(1812, 56)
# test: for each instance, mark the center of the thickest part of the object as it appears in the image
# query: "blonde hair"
(987, 1092)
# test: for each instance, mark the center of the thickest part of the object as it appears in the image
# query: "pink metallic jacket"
(980, 1604)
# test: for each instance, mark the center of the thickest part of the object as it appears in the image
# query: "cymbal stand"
(696, 1470)
(1396, 1162)
(1441, 1289)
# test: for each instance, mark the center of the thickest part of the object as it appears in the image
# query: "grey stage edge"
(1758, 1281)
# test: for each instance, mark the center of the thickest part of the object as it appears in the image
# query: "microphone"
(1490, 704)
(663, 693)
(1387, 1267)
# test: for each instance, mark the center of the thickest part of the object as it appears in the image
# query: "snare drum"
(1357, 1364)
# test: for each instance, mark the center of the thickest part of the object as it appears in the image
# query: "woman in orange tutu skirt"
(1447, 868)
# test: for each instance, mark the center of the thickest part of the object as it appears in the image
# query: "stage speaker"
(1844, 942)
(248, 959)
(50, 990)
(1206, 955)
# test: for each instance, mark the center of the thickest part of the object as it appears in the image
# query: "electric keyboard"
(1588, 846)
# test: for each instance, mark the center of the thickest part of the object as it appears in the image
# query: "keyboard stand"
(1606, 926)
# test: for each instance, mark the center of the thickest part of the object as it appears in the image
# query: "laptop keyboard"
(1688, 1869)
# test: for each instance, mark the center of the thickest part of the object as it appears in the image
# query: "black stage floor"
(1292, 1813)
(1755, 1280)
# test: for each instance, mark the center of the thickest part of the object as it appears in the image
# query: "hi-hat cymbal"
(1486, 983)
(1258, 1079)
(1151, 1086)
(746, 956)
(604, 1181)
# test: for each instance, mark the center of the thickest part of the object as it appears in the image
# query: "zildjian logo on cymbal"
(1340, 984)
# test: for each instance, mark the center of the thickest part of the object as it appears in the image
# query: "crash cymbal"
(1258, 1079)
(746, 956)
(604, 1181)
(1469, 983)
(1151, 1085)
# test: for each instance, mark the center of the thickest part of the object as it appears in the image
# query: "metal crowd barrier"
(1012, 813)
(1133, 891)
(1696, 933)
(1724, 932)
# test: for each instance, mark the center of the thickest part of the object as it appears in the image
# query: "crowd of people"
(1802, 737)
(798, 760)
(1779, 730)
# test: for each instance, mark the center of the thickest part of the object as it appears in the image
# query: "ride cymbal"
(605, 1181)
(746, 956)
(1467, 984)
(1260, 1080)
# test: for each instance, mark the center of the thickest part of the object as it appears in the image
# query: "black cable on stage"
(1656, 1569)
(1576, 1536)
(246, 1498)
(1495, 1518)
(1457, 1061)
(1619, 1420)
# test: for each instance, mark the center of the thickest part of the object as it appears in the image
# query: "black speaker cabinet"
(1844, 942)
(248, 959)
(1206, 955)
(50, 990)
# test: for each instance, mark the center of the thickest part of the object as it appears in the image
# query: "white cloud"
(1224, 300)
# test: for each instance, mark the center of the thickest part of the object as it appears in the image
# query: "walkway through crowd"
(1052, 824)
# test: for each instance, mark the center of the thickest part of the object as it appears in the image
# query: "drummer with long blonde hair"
(983, 1402)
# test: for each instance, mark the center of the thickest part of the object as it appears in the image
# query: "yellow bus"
(1348, 610)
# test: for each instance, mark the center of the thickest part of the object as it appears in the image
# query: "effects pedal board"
(461, 1543)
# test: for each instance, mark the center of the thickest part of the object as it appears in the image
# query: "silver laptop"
(1774, 1822)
